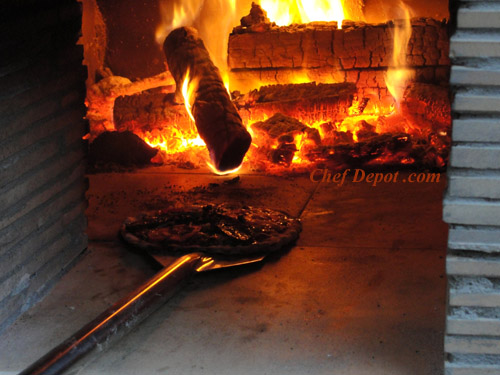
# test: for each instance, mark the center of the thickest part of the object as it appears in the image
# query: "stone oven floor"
(362, 292)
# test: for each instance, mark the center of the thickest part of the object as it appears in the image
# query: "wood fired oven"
(361, 114)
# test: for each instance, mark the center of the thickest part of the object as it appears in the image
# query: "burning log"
(216, 117)
(283, 130)
(257, 19)
(280, 126)
(427, 106)
(349, 154)
(356, 53)
(102, 95)
(308, 102)
(149, 110)
(321, 44)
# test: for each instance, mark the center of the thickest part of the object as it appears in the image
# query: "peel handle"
(119, 319)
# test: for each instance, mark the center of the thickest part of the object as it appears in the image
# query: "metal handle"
(119, 318)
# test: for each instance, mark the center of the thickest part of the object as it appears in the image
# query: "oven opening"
(306, 144)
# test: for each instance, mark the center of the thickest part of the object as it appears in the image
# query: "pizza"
(212, 229)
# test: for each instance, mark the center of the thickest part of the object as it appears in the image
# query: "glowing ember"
(176, 138)
(174, 142)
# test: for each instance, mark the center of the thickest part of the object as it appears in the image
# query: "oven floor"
(362, 292)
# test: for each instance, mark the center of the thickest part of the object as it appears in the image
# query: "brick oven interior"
(363, 290)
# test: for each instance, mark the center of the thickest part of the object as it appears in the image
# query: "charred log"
(282, 131)
(151, 110)
(427, 106)
(282, 127)
(358, 53)
(257, 19)
(216, 117)
(321, 44)
(102, 95)
(148, 111)
(309, 102)
(304, 91)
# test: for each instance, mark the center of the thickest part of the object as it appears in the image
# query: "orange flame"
(189, 87)
(286, 12)
(183, 13)
(219, 173)
(174, 140)
(398, 76)
(225, 79)
(178, 13)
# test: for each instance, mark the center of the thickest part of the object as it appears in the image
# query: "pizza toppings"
(222, 229)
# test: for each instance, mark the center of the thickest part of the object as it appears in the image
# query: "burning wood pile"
(291, 97)
(359, 53)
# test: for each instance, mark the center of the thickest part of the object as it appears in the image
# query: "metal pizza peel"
(128, 312)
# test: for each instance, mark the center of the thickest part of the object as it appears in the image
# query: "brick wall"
(42, 155)
(472, 202)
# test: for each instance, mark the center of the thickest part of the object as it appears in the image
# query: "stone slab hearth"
(363, 295)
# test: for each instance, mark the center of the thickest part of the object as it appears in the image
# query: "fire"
(189, 87)
(398, 77)
(354, 128)
(225, 173)
(173, 139)
(372, 131)
(178, 13)
(225, 79)
(286, 12)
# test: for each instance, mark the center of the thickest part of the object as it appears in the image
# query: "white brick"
(472, 267)
(481, 185)
(478, 156)
(479, 16)
(472, 345)
(477, 102)
(475, 239)
(467, 369)
(481, 76)
(474, 299)
(480, 326)
(471, 212)
(476, 130)
(474, 186)
(467, 44)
